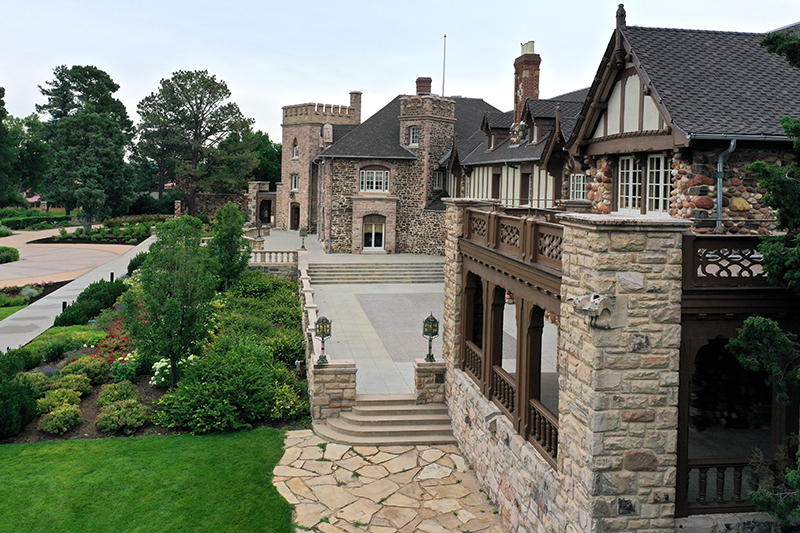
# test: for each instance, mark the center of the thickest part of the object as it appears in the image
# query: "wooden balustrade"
(543, 431)
(722, 260)
(504, 391)
(273, 257)
(531, 235)
(473, 361)
(726, 493)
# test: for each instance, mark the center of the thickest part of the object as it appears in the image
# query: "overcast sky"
(273, 54)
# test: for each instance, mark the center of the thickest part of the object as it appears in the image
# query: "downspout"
(721, 158)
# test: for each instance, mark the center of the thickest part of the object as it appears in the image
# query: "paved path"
(387, 489)
(378, 325)
(26, 324)
(53, 262)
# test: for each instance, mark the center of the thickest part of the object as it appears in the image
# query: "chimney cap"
(527, 48)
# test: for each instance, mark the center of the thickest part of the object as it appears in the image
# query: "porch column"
(618, 357)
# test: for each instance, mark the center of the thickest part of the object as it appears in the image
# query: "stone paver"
(386, 489)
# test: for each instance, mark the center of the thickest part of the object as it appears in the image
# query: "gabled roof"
(707, 84)
(717, 83)
(498, 120)
(505, 152)
(378, 137)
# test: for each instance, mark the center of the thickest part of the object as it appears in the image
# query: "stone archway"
(294, 216)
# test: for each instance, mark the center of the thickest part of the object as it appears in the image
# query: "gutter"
(721, 158)
(735, 136)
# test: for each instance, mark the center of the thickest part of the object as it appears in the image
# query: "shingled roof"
(716, 83)
(379, 136)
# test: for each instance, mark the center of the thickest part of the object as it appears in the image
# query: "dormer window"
(491, 142)
(438, 180)
(413, 136)
(535, 137)
(295, 150)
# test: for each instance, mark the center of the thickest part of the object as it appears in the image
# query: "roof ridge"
(696, 30)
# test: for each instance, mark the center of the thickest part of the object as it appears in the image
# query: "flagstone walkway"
(387, 489)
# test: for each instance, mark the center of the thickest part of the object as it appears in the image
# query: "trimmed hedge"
(17, 407)
(24, 222)
(96, 297)
(93, 368)
(8, 254)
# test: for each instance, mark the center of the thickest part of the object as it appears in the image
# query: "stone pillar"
(178, 210)
(429, 381)
(618, 401)
(332, 388)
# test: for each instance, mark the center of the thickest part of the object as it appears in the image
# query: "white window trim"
(438, 180)
(413, 135)
(629, 186)
(659, 184)
(374, 181)
(577, 186)
(295, 182)
(295, 151)
(648, 187)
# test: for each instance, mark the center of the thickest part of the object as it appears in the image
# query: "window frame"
(629, 186)
(295, 178)
(577, 186)
(295, 150)
(659, 185)
(373, 180)
(437, 181)
(413, 135)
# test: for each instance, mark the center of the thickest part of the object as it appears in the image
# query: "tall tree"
(170, 310)
(227, 169)
(89, 130)
(193, 109)
(8, 191)
(31, 155)
(269, 163)
(229, 251)
(761, 343)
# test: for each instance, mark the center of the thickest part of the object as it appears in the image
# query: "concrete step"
(390, 419)
(376, 273)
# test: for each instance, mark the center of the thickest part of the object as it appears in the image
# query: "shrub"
(144, 204)
(29, 221)
(115, 392)
(8, 254)
(38, 382)
(286, 346)
(256, 284)
(94, 369)
(11, 364)
(77, 382)
(17, 407)
(56, 398)
(28, 357)
(61, 420)
(136, 262)
(5, 232)
(231, 389)
(124, 415)
(96, 297)
(11, 301)
(162, 371)
(54, 349)
(125, 368)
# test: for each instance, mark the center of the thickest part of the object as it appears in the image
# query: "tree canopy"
(88, 131)
(188, 118)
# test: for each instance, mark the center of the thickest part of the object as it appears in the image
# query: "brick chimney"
(526, 79)
(424, 85)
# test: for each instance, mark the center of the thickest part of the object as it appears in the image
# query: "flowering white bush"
(162, 376)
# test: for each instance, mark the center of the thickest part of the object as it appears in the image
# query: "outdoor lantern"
(430, 329)
(258, 227)
(303, 235)
(322, 330)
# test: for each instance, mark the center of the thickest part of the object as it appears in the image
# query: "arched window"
(295, 150)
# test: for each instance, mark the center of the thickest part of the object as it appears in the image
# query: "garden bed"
(85, 240)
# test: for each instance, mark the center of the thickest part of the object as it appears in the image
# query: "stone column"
(618, 401)
(429, 381)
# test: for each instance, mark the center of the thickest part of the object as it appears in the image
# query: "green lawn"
(8, 311)
(218, 482)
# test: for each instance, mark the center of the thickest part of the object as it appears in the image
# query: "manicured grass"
(218, 482)
(8, 311)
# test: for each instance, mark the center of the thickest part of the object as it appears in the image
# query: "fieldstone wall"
(207, 203)
(429, 381)
(694, 189)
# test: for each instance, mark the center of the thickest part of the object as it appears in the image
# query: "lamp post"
(258, 227)
(303, 235)
(430, 329)
(322, 330)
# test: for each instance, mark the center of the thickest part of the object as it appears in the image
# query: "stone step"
(386, 399)
(357, 418)
(331, 434)
(376, 273)
(401, 410)
(402, 428)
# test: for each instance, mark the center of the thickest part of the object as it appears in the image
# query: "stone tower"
(304, 126)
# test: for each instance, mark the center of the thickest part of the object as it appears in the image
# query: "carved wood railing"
(543, 431)
(531, 236)
(715, 486)
(722, 261)
(273, 257)
(504, 391)
(473, 362)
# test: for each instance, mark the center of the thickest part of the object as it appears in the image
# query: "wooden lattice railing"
(722, 260)
(543, 431)
(530, 235)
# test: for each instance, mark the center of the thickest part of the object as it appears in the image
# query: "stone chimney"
(355, 106)
(424, 85)
(526, 79)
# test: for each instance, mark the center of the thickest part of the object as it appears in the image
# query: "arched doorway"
(265, 211)
(374, 229)
(294, 218)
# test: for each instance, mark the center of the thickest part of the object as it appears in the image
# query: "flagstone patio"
(387, 489)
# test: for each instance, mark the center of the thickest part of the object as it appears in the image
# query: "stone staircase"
(389, 419)
(332, 273)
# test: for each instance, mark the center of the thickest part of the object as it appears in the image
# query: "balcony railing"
(504, 391)
(473, 361)
(531, 235)
(722, 260)
(544, 431)
(716, 486)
